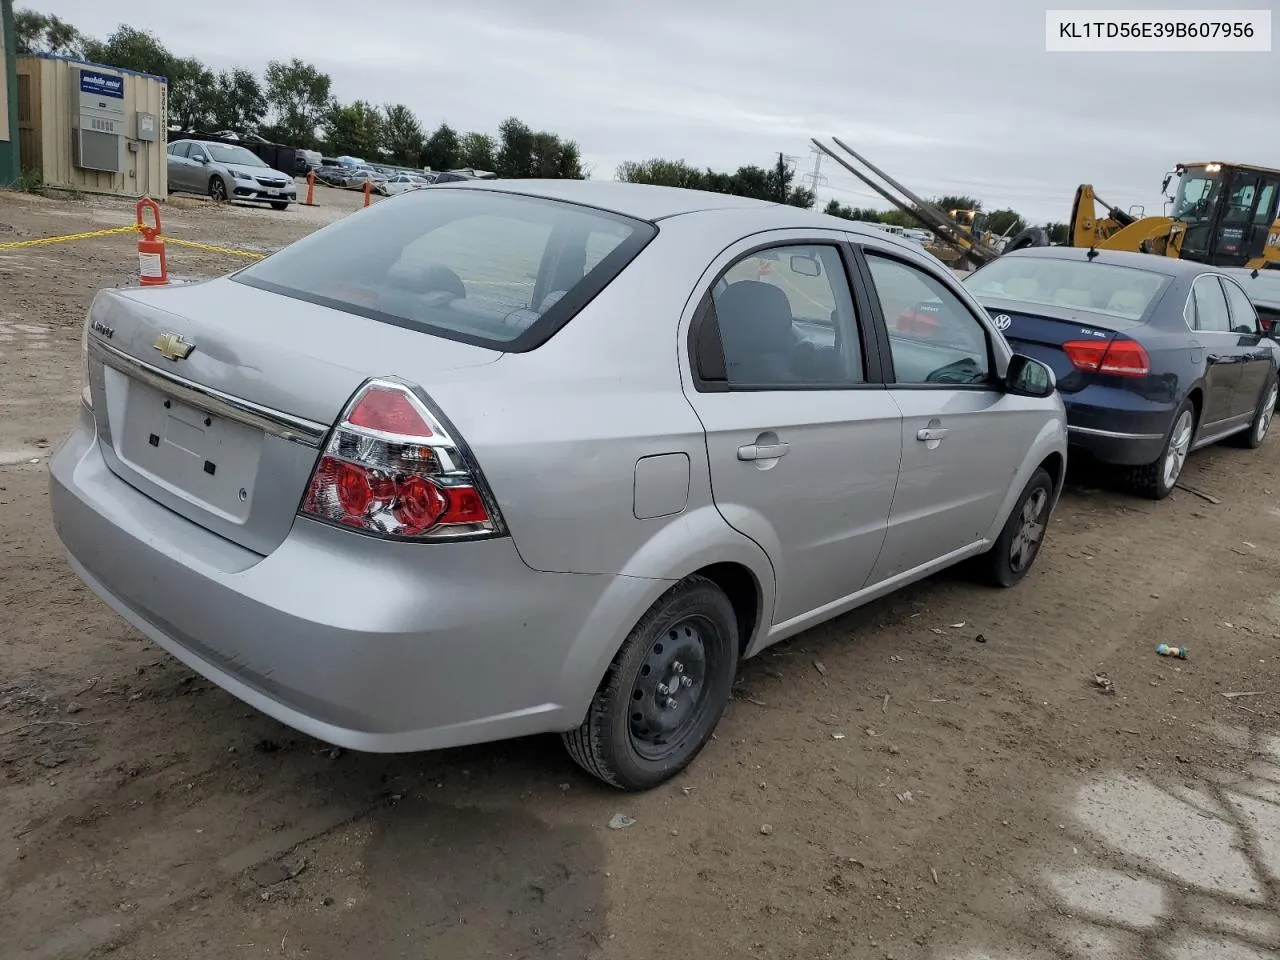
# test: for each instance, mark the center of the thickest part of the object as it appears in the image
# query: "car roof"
(644, 201)
(1150, 262)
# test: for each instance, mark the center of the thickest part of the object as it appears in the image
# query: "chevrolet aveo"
(495, 459)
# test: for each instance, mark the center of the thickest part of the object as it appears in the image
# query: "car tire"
(217, 190)
(279, 206)
(1015, 550)
(1262, 415)
(684, 651)
(1156, 480)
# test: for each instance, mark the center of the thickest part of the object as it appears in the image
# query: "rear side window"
(495, 269)
(1210, 313)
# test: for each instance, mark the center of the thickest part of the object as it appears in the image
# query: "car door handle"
(931, 433)
(763, 451)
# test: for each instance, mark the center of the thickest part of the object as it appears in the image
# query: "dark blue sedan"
(1155, 357)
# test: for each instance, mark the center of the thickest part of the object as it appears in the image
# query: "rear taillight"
(1119, 358)
(392, 469)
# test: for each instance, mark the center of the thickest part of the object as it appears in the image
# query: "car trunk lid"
(1039, 331)
(228, 433)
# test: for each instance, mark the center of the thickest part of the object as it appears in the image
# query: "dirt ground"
(935, 776)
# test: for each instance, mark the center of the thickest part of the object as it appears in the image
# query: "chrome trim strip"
(1113, 435)
(277, 424)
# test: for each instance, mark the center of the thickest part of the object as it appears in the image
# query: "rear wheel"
(1258, 429)
(1018, 545)
(664, 692)
(1155, 481)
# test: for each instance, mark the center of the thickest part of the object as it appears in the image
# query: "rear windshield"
(1264, 288)
(481, 266)
(1123, 293)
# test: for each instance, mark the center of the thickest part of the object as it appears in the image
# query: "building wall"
(46, 129)
(8, 97)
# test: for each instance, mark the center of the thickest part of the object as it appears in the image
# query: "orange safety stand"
(153, 269)
(368, 190)
(311, 189)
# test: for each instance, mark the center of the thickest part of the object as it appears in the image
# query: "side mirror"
(806, 266)
(1029, 378)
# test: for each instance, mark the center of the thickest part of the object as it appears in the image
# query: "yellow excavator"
(1222, 214)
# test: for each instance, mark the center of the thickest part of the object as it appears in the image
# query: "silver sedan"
(501, 458)
(225, 172)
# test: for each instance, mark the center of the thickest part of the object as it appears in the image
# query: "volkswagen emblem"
(1003, 321)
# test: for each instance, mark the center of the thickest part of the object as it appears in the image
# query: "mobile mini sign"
(101, 84)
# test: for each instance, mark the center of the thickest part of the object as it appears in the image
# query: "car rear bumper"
(1117, 427)
(367, 644)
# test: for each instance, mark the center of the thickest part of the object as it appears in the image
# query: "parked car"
(1155, 357)
(1263, 288)
(403, 182)
(434, 475)
(225, 172)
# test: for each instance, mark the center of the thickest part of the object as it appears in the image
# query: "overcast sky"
(945, 96)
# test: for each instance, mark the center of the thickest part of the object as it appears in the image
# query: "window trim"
(992, 383)
(1257, 321)
(704, 327)
(551, 322)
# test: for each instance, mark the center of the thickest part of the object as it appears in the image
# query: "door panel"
(819, 509)
(963, 439)
(803, 443)
(1255, 369)
(961, 449)
(1211, 319)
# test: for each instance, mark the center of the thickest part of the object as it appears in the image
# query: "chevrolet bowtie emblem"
(173, 347)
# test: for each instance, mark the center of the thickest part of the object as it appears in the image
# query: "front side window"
(482, 266)
(933, 337)
(1211, 314)
(786, 319)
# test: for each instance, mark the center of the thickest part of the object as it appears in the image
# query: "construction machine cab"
(1230, 211)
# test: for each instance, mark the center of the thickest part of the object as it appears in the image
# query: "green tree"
(1057, 232)
(664, 173)
(44, 33)
(131, 49)
(898, 218)
(239, 102)
(835, 208)
(949, 202)
(401, 135)
(515, 149)
(569, 163)
(299, 99)
(193, 94)
(441, 149)
(478, 151)
(354, 128)
(1005, 223)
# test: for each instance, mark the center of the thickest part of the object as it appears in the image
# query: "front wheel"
(1018, 545)
(277, 205)
(1155, 481)
(217, 190)
(664, 692)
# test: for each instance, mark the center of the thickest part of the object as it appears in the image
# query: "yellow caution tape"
(131, 228)
(212, 248)
(64, 239)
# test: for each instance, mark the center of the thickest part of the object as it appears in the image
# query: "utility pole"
(782, 173)
(816, 178)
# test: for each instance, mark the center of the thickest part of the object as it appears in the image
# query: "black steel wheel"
(664, 692)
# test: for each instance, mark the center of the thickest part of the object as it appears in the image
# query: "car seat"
(756, 332)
